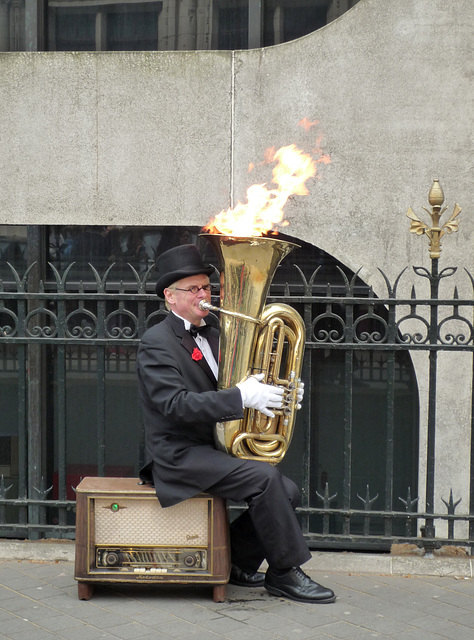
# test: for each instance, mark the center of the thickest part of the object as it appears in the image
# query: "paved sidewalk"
(38, 601)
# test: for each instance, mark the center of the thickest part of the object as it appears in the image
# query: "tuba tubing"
(255, 338)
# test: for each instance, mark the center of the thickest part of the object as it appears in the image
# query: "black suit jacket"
(180, 406)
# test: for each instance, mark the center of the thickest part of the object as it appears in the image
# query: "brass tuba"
(256, 339)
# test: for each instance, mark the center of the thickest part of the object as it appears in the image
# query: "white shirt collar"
(187, 324)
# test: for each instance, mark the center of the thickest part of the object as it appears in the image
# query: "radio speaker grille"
(145, 522)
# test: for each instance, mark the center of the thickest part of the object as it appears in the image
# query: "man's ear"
(169, 296)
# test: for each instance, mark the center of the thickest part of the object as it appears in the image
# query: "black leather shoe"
(296, 585)
(244, 579)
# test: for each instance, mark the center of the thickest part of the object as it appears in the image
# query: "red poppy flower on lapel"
(196, 354)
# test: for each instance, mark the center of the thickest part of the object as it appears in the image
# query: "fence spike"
(326, 499)
(367, 501)
(409, 503)
(451, 505)
(4, 490)
(43, 492)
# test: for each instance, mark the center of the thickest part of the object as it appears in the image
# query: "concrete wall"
(152, 138)
(166, 137)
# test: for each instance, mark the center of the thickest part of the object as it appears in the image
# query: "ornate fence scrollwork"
(102, 315)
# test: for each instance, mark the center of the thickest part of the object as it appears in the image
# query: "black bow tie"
(203, 331)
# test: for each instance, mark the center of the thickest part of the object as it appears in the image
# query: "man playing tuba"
(177, 379)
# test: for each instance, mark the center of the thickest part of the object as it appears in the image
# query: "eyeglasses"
(195, 289)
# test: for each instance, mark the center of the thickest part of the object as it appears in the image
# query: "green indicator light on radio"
(114, 507)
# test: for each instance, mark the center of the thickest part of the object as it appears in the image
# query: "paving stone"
(58, 622)
(61, 601)
(248, 633)
(443, 611)
(192, 612)
(6, 594)
(63, 581)
(295, 630)
(18, 604)
(14, 624)
(155, 635)
(384, 625)
(4, 615)
(464, 619)
(40, 592)
(263, 620)
(224, 625)
(341, 630)
(129, 630)
(148, 618)
(101, 620)
(417, 634)
(457, 599)
(117, 605)
(85, 632)
(177, 629)
(311, 616)
(458, 633)
(21, 581)
(37, 613)
(202, 634)
(369, 635)
(37, 634)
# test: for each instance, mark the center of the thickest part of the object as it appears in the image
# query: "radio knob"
(190, 560)
(112, 559)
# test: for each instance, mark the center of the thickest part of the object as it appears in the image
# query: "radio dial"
(190, 560)
(112, 559)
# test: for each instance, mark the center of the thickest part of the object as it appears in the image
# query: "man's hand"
(299, 394)
(260, 396)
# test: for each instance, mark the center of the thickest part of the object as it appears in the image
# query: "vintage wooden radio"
(123, 535)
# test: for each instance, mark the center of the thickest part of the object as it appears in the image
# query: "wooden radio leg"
(85, 590)
(218, 592)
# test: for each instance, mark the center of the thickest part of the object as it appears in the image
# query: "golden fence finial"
(435, 232)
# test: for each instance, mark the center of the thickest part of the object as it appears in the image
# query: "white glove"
(260, 396)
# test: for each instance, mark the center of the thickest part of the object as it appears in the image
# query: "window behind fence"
(69, 384)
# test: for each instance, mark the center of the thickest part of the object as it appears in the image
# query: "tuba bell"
(255, 338)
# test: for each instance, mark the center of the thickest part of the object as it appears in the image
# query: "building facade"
(103, 145)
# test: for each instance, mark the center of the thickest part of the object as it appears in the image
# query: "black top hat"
(179, 262)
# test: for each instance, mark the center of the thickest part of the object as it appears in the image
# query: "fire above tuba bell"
(255, 338)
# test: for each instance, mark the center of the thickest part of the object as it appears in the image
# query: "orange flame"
(264, 208)
(307, 124)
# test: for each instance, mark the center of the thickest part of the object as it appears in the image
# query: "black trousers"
(268, 529)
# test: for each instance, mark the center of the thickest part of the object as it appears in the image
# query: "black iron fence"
(70, 409)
